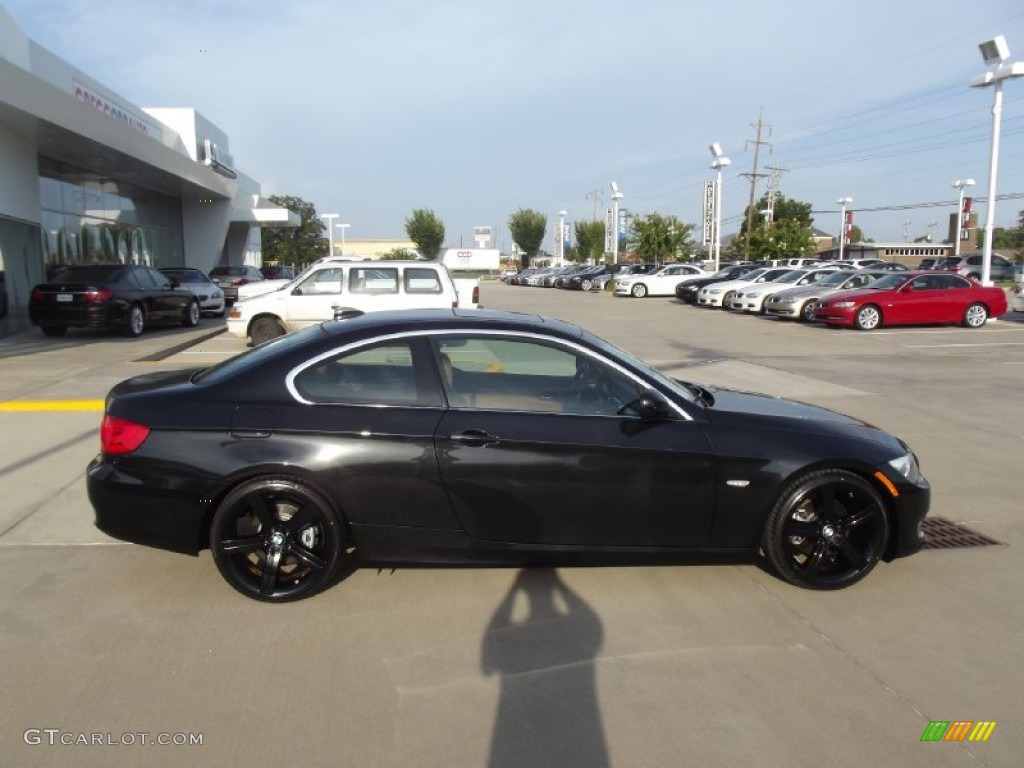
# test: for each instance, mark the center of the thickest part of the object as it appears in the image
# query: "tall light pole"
(843, 202)
(994, 51)
(560, 238)
(342, 227)
(616, 196)
(720, 161)
(330, 229)
(959, 184)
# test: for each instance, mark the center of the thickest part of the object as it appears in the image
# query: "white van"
(328, 287)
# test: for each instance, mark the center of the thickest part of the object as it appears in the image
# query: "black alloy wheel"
(277, 539)
(192, 314)
(827, 530)
(134, 322)
(263, 329)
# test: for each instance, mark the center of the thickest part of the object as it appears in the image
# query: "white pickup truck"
(331, 285)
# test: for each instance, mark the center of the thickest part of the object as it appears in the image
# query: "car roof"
(401, 320)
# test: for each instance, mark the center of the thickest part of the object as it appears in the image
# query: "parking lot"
(717, 664)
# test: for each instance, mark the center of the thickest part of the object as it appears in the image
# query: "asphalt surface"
(717, 664)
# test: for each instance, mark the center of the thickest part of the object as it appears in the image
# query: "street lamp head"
(844, 200)
(563, 213)
(961, 183)
(720, 162)
(995, 51)
(615, 188)
(716, 150)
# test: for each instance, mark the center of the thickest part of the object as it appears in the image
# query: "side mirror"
(175, 282)
(652, 405)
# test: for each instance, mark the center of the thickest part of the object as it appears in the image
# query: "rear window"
(419, 280)
(239, 364)
(94, 273)
(232, 271)
(373, 280)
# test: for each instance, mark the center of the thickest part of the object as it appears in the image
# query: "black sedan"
(474, 436)
(687, 292)
(124, 296)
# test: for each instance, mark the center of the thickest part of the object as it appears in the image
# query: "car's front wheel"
(827, 530)
(639, 290)
(586, 285)
(807, 311)
(192, 314)
(277, 539)
(264, 329)
(868, 318)
(975, 316)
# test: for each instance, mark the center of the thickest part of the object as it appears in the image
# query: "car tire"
(828, 530)
(638, 291)
(806, 313)
(192, 314)
(727, 299)
(867, 318)
(277, 539)
(586, 285)
(54, 330)
(263, 329)
(134, 321)
(975, 316)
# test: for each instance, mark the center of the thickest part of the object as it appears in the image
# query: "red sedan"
(913, 298)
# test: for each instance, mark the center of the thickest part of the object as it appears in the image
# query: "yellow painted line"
(53, 405)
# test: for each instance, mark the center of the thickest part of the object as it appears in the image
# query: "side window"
(321, 282)
(507, 374)
(379, 375)
(373, 280)
(420, 280)
(141, 278)
(160, 281)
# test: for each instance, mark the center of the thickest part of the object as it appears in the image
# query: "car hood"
(781, 413)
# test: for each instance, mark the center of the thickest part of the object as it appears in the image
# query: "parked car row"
(864, 298)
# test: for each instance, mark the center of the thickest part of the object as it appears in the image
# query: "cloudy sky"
(372, 108)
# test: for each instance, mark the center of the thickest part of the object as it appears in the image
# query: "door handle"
(474, 437)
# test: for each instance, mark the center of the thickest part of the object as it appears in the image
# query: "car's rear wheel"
(827, 530)
(639, 290)
(264, 329)
(277, 539)
(975, 316)
(868, 318)
(192, 314)
(134, 322)
(54, 330)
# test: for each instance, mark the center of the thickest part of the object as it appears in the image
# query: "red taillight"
(37, 296)
(242, 281)
(476, 294)
(98, 294)
(120, 435)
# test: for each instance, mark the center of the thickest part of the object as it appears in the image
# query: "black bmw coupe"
(474, 436)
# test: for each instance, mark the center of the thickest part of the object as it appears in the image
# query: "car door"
(918, 301)
(955, 294)
(314, 298)
(169, 301)
(534, 449)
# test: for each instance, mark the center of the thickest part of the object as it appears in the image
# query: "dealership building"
(89, 177)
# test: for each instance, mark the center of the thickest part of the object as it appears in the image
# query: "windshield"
(838, 277)
(791, 277)
(888, 282)
(755, 274)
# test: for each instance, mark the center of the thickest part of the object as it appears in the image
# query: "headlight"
(777, 300)
(907, 466)
(845, 304)
(713, 291)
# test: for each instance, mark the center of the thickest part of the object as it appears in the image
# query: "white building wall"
(19, 179)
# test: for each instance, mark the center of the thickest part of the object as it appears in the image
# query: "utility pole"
(774, 182)
(754, 176)
(598, 200)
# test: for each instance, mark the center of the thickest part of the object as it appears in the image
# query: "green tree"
(589, 239)
(398, 253)
(659, 238)
(425, 229)
(791, 232)
(527, 228)
(295, 245)
(788, 237)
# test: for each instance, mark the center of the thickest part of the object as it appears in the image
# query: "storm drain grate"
(940, 533)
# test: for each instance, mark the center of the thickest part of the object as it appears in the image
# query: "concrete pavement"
(710, 665)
